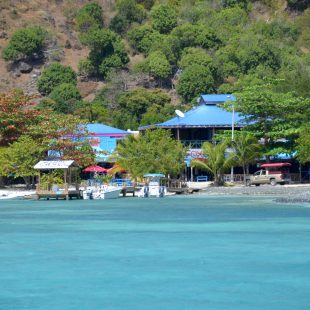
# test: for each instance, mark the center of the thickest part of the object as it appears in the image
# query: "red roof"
(276, 165)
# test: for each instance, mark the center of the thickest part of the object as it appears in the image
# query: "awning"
(55, 164)
(275, 165)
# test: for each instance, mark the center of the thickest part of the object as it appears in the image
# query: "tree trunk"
(27, 182)
(244, 173)
(1, 181)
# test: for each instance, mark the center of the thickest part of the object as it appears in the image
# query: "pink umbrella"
(95, 169)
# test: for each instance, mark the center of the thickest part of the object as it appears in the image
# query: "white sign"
(53, 164)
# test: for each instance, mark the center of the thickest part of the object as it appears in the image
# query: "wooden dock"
(177, 186)
(48, 194)
(129, 190)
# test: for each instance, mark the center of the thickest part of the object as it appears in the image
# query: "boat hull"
(104, 193)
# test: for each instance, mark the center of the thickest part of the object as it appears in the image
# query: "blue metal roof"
(101, 129)
(202, 116)
(215, 99)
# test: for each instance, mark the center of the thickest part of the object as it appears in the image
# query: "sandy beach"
(9, 193)
(287, 193)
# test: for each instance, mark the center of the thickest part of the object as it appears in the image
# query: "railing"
(122, 182)
(170, 183)
(238, 178)
(52, 189)
(202, 178)
(194, 144)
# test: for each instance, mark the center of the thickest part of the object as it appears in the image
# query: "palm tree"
(246, 150)
(217, 161)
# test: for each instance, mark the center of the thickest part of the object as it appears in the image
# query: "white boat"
(154, 186)
(102, 192)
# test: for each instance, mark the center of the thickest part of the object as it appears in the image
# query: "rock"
(68, 44)
(16, 74)
(23, 67)
(50, 19)
(4, 35)
(77, 46)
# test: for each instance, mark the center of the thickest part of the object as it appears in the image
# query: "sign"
(195, 154)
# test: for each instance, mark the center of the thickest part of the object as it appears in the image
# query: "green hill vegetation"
(152, 56)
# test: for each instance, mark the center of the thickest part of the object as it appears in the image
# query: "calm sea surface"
(193, 252)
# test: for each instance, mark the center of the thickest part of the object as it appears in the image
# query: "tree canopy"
(54, 75)
(153, 152)
(25, 42)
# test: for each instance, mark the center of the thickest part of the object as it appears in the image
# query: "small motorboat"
(102, 192)
(154, 186)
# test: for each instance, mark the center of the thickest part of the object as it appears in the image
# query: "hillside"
(177, 48)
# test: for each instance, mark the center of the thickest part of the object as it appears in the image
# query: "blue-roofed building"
(104, 139)
(200, 123)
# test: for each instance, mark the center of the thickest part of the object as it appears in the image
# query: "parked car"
(273, 174)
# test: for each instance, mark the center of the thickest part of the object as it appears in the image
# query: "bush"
(66, 97)
(89, 17)
(110, 62)
(143, 37)
(53, 76)
(119, 24)
(106, 51)
(231, 3)
(164, 18)
(190, 35)
(158, 65)
(86, 67)
(133, 104)
(131, 11)
(24, 42)
(194, 81)
(298, 4)
(192, 55)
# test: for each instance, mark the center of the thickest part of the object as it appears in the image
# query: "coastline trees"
(22, 128)
(217, 160)
(246, 150)
(274, 117)
(19, 158)
(303, 144)
(153, 152)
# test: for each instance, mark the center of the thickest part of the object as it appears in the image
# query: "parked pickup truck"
(270, 174)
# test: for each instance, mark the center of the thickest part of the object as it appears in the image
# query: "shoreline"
(292, 193)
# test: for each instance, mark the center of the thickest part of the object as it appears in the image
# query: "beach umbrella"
(97, 169)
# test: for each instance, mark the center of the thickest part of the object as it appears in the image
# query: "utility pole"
(232, 138)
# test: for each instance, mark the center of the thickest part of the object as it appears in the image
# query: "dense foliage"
(217, 162)
(27, 134)
(24, 42)
(149, 52)
(54, 75)
(153, 152)
(66, 98)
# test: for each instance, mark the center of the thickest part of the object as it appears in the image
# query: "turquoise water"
(190, 252)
